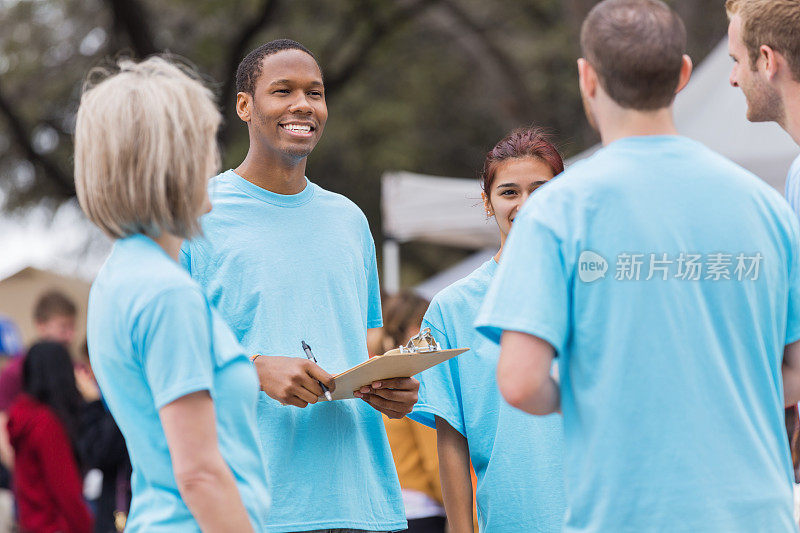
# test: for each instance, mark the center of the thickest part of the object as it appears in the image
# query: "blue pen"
(310, 356)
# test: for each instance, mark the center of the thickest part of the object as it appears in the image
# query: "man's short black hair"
(250, 68)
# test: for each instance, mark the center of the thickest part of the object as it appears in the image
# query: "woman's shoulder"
(139, 279)
(468, 289)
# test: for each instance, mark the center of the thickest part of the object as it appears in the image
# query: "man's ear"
(244, 106)
(686, 73)
(768, 60)
(587, 78)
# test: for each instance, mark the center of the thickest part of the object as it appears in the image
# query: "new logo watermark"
(632, 266)
(591, 266)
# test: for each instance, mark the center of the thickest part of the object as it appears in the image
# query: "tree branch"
(234, 56)
(380, 30)
(131, 17)
(62, 182)
(516, 83)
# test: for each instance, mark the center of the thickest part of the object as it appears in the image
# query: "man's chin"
(299, 152)
(753, 115)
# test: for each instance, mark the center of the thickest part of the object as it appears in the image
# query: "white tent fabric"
(709, 110)
(428, 288)
(434, 209)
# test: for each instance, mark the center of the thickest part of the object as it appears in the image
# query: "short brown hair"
(145, 146)
(51, 304)
(775, 23)
(636, 47)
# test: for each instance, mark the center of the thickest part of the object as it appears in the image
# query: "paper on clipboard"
(421, 353)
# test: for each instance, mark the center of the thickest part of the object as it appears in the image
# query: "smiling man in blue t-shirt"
(286, 261)
(667, 281)
(763, 43)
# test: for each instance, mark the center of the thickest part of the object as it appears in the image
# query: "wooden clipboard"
(392, 364)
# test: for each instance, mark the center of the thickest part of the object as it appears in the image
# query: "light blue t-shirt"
(287, 268)
(666, 278)
(792, 190)
(518, 458)
(154, 338)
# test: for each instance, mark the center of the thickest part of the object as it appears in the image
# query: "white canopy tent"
(442, 210)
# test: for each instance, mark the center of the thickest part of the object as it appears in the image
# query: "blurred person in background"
(44, 429)
(102, 448)
(413, 445)
(11, 349)
(518, 459)
(171, 372)
(54, 317)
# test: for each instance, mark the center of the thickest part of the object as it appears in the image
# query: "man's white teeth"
(297, 128)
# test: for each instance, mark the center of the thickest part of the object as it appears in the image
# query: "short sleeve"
(439, 386)
(172, 337)
(374, 316)
(530, 292)
(793, 308)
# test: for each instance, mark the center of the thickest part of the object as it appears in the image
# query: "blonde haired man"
(764, 42)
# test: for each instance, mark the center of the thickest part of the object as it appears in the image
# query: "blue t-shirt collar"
(282, 200)
(645, 141)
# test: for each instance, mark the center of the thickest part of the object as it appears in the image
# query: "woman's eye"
(508, 192)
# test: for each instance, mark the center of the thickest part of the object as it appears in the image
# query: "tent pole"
(391, 266)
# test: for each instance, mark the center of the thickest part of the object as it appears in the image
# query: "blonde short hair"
(775, 23)
(145, 146)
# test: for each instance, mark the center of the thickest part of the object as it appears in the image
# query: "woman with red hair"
(518, 459)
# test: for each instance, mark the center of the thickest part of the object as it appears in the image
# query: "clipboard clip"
(422, 342)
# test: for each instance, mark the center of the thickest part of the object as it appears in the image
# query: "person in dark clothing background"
(101, 446)
(44, 430)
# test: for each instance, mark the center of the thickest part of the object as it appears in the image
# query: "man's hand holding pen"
(393, 397)
(292, 380)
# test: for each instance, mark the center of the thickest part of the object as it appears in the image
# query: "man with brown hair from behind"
(673, 377)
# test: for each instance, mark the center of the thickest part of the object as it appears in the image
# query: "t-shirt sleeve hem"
(494, 329)
(375, 323)
(793, 336)
(426, 414)
(179, 391)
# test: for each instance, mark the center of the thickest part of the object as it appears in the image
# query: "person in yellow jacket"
(413, 445)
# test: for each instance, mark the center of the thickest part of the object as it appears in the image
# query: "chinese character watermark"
(662, 266)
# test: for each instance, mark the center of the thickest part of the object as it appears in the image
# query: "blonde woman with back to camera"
(177, 382)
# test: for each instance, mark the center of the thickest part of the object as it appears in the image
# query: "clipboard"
(421, 353)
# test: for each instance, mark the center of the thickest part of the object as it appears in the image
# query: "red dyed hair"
(522, 142)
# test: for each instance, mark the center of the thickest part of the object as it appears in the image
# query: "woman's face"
(514, 181)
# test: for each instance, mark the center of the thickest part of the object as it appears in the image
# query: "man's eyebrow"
(315, 83)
